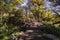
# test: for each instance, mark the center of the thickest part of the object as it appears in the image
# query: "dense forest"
(29, 20)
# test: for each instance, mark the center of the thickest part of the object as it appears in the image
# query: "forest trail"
(34, 32)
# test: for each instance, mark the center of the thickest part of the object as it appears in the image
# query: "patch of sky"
(53, 8)
(23, 4)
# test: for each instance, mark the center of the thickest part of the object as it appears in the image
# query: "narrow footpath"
(34, 32)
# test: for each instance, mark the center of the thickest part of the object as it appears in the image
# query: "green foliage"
(48, 28)
(16, 1)
(37, 1)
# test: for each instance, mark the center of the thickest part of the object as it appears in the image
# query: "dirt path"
(34, 32)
